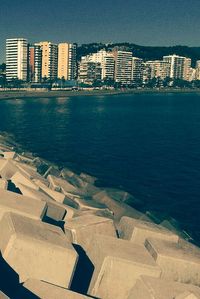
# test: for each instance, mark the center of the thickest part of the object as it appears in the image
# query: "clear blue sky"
(144, 22)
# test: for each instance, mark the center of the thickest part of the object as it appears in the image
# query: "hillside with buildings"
(144, 52)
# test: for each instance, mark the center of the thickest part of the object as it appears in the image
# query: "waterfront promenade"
(15, 94)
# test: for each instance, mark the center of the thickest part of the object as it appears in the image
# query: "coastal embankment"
(61, 236)
(15, 94)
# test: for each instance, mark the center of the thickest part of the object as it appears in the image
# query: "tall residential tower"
(16, 59)
(67, 67)
(35, 64)
(123, 66)
(49, 60)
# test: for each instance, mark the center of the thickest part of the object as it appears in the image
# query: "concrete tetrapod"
(81, 229)
(117, 265)
(46, 290)
(154, 288)
(138, 231)
(23, 205)
(178, 261)
(37, 250)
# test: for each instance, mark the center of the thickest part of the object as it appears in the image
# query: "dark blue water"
(146, 144)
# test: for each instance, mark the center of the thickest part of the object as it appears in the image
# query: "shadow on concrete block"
(9, 283)
(13, 188)
(83, 272)
(49, 220)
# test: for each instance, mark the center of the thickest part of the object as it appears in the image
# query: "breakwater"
(61, 236)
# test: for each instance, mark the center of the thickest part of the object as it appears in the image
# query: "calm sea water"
(147, 144)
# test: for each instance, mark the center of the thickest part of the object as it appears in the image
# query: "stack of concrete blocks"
(117, 266)
(132, 257)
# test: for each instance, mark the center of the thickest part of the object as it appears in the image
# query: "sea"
(146, 144)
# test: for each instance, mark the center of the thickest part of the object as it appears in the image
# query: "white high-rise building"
(16, 59)
(106, 59)
(179, 66)
(123, 66)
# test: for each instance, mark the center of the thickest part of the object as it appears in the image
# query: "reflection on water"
(147, 144)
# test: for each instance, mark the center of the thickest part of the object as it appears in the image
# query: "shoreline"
(13, 94)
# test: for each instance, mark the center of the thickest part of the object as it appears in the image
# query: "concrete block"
(57, 196)
(3, 296)
(154, 288)
(73, 178)
(83, 204)
(37, 250)
(138, 231)
(88, 178)
(21, 178)
(31, 172)
(7, 169)
(119, 209)
(10, 155)
(54, 211)
(118, 264)
(23, 205)
(81, 229)
(178, 261)
(59, 184)
(3, 184)
(46, 290)
(175, 228)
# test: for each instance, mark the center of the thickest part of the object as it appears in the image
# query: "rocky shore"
(61, 236)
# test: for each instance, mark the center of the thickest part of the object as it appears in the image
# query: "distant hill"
(145, 52)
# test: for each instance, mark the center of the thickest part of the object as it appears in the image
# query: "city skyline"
(140, 22)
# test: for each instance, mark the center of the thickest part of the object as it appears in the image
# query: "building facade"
(16, 59)
(89, 71)
(35, 63)
(197, 68)
(137, 69)
(159, 69)
(178, 66)
(67, 66)
(106, 59)
(49, 60)
(123, 66)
